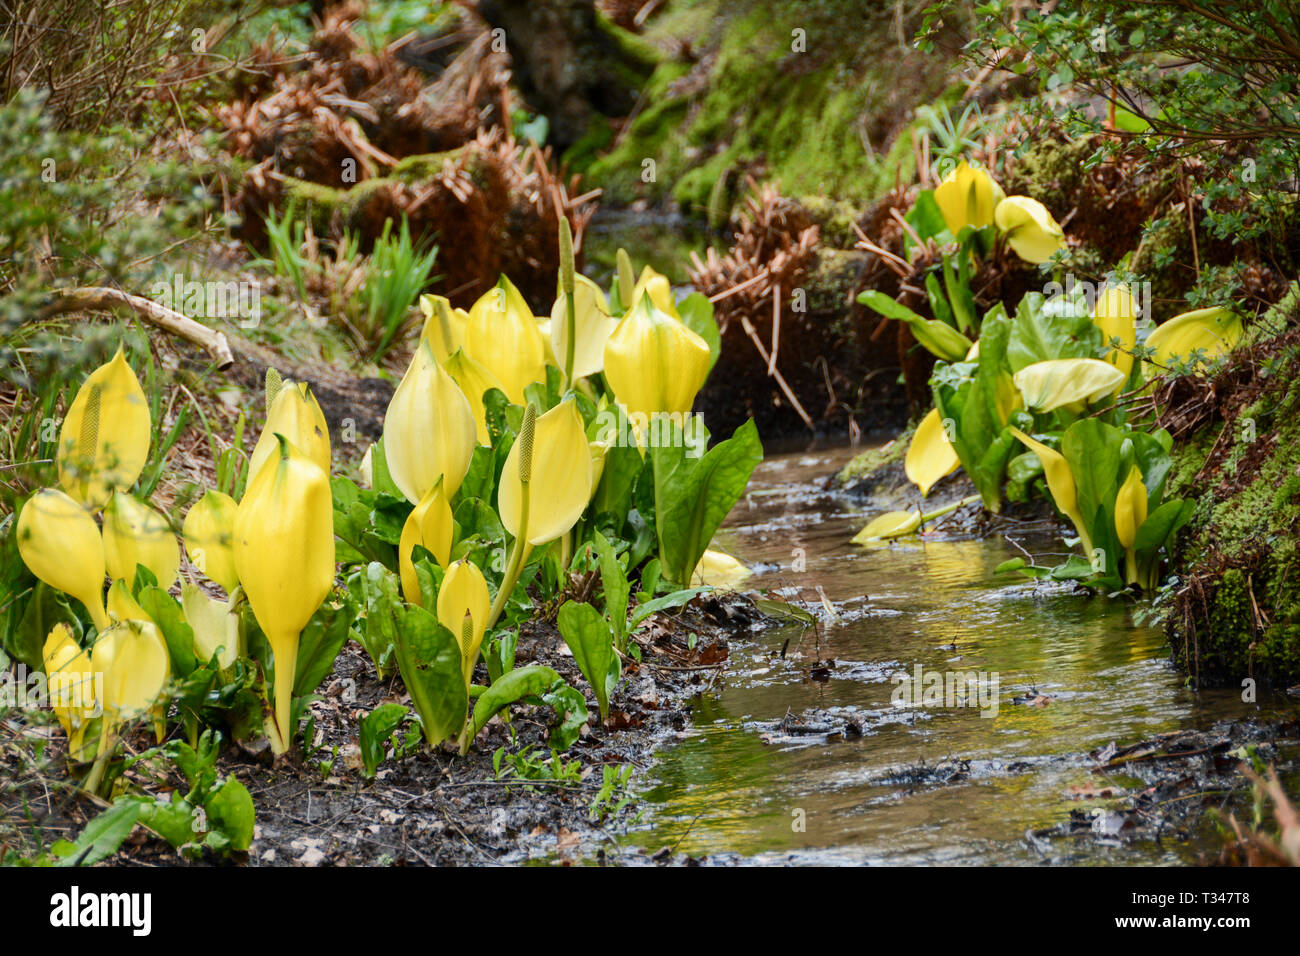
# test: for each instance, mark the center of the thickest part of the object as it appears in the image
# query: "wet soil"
(439, 808)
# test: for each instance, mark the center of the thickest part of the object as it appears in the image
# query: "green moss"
(834, 218)
(800, 116)
(1050, 170)
(1247, 523)
(869, 463)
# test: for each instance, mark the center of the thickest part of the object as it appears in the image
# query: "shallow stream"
(924, 782)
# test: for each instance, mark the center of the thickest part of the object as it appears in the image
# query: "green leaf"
(785, 611)
(231, 813)
(1040, 332)
(570, 707)
(376, 729)
(381, 477)
(429, 658)
(103, 835)
(592, 641)
(531, 681)
(45, 608)
(692, 496)
(165, 611)
(319, 644)
(616, 588)
(1162, 524)
(672, 600)
(697, 315)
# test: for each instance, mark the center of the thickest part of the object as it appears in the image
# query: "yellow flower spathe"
(59, 543)
(558, 471)
(1215, 331)
(1029, 228)
(660, 290)
(104, 440)
(463, 606)
(132, 658)
(136, 534)
(654, 363)
(430, 526)
(593, 323)
(296, 415)
(475, 381)
(720, 570)
(930, 456)
(967, 197)
(209, 529)
(429, 431)
(1116, 315)
(1060, 482)
(284, 557)
(444, 327)
(1067, 383)
(502, 334)
(70, 683)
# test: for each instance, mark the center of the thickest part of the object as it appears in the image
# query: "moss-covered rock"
(1238, 605)
(777, 91)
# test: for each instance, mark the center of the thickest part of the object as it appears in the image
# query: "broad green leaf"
(102, 835)
(230, 812)
(693, 495)
(1040, 332)
(376, 728)
(319, 645)
(592, 641)
(532, 681)
(616, 587)
(429, 658)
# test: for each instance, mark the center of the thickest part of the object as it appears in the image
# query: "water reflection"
(1082, 672)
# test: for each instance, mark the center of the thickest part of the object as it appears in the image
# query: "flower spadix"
(294, 413)
(1060, 482)
(429, 431)
(502, 334)
(59, 543)
(930, 456)
(552, 467)
(1029, 227)
(104, 440)
(284, 556)
(653, 362)
(429, 525)
(135, 534)
(463, 606)
(209, 537)
(967, 197)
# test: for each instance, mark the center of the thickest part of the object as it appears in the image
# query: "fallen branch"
(99, 299)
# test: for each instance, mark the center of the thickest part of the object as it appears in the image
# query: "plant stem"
(518, 554)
